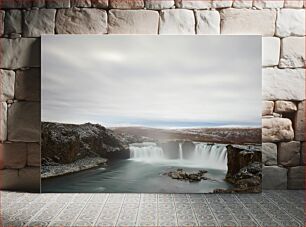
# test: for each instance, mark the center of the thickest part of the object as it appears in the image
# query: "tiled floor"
(271, 208)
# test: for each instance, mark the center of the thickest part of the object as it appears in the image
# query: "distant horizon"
(152, 81)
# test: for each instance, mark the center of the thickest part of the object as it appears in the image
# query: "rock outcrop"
(244, 168)
(66, 143)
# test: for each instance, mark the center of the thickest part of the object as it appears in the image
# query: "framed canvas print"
(151, 114)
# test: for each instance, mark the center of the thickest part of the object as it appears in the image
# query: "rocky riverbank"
(55, 169)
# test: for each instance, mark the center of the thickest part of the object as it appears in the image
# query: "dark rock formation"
(170, 148)
(180, 174)
(66, 143)
(244, 168)
(188, 149)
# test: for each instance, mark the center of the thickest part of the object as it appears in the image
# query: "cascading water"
(204, 155)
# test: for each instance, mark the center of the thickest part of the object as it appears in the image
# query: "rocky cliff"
(66, 143)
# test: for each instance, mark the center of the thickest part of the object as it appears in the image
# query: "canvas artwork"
(151, 114)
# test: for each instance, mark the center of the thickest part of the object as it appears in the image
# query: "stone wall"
(280, 22)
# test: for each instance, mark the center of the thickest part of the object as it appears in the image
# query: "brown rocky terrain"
(211, 135)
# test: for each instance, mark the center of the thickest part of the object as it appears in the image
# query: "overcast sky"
(154, 81)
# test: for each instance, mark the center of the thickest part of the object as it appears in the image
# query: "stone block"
(3, 121)
(177, 21)
(38, 22)
(56, 4)
(208, 22)
(293, 4)
(303, 160)
(159, 4)
(133, 22)
(274, 177)
(126, 4)
(39, 3)
(248, 21)
(285, 106)
(20, 53)
(289, 153)
(269, 154)
(191, 4)
(296, 178)
(25, 180)
(299, 122)
(13, 21)
(283, 84)
(27, 86)
(277, 129)
(80, 21)
(293, 52)
(2, 15)
(270, 51)
(103, 4)
(15, 4)
(13, 155)
(33, 158)
(7, 81)
(242, 4)
(267, 108)
(221, 3)
(24, 122)
(290, 22)
(262, 4)
(80, 3)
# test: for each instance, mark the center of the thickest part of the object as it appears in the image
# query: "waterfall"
(204, 155)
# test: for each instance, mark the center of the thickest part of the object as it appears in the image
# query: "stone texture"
(221, 3)
(270, 51)
(299, 122)
(56, 4)
(133, 22)
(39, 3)
(261, 4)
(33, 158)
(80, 3)
(159, 4)
(2, 15)
(267, 108)
(80, 21)
(283, 84)
(20, 53)
(248, 21)
(126, 4)
(26, 179)
(15, 4)
(269, 154)
(99, 3)
(293, 4)
(274, 177)
(191, 4)
(13, 155)
(285, 106)
(303, 160)
(208, 22)
(7, 81)
(277, 129)
(27, 86)
(38, 22)
(289, 154)
(13, 21)
(3, 121)
(24, 122)
(293, 52)
(296, 177)
(290, 22)
(242, 4)
(178, 21)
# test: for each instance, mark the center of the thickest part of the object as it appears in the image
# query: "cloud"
(145, 79)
